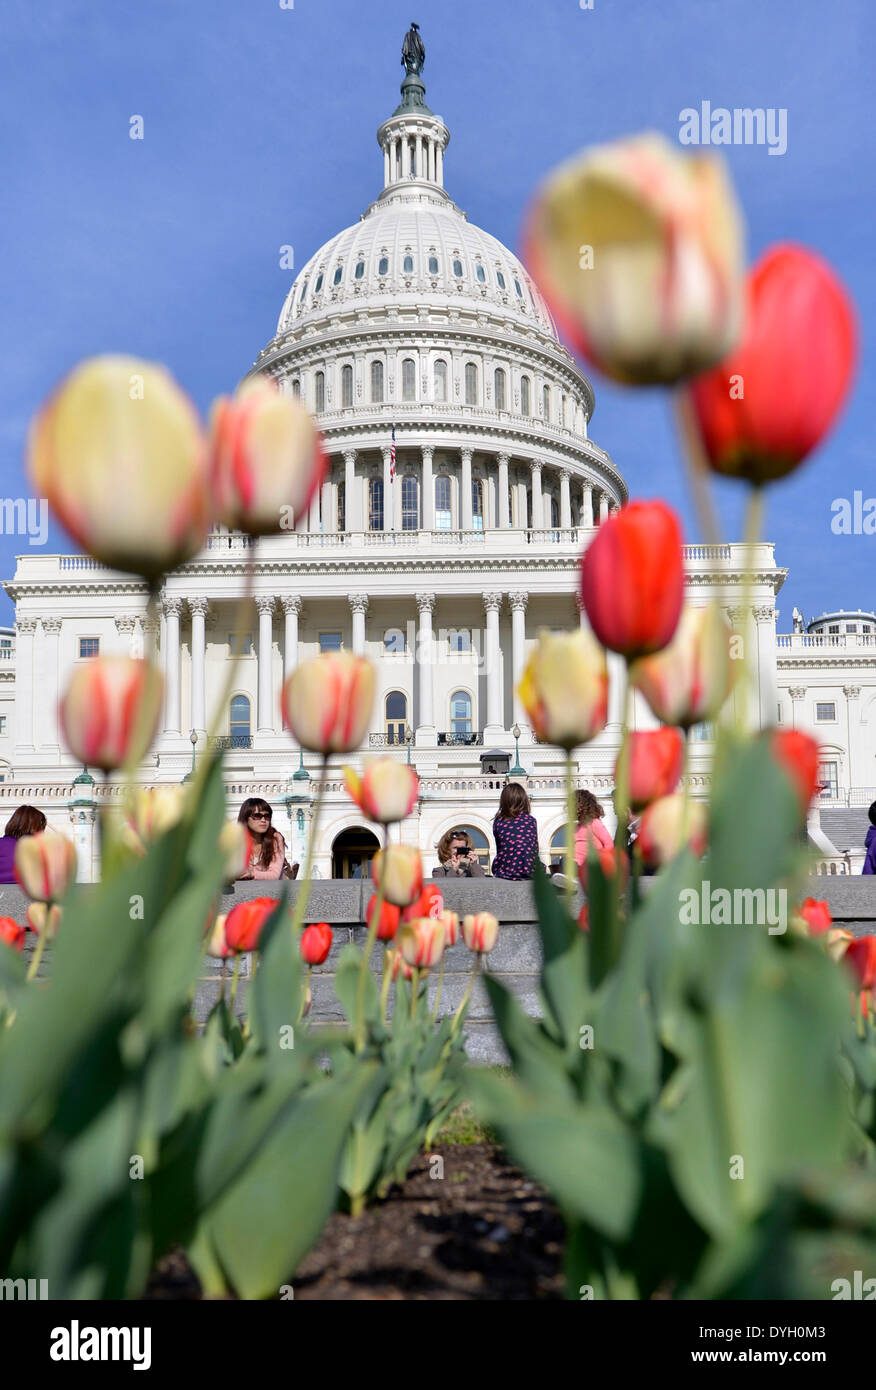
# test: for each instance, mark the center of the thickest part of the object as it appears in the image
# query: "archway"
(352, 852)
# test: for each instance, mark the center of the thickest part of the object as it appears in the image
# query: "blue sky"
(260, 131)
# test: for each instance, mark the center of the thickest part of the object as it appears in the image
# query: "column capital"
(359, 603)
(425, 603)
(428, 452)
(125, 623)
(797, 692)
(291, 603)
(503, 460)
(492, 601)
(54, 624)
(564, 474)
(350, 456)
(851, 692)
(198, 604)
(466, 455)
(25, 625)
(517, 600)
(736, 613)
(535, 465)
(764, 613)
(171, 605)
(264, 603)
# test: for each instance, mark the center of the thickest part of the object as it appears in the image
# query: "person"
(590, 828)
(457, 858)
(268, 858)
(25, 820)
(869, 843)
(516, 835)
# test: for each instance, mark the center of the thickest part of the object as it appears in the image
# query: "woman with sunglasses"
(268, 856)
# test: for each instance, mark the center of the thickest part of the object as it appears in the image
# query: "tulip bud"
(690, 679)
(44, 918)
(386, 791)
(118, 452)
(235, 847)
(771, 401)
(430, 903)
(216, 943)
(316, 942)
(838, 941)
(398, 871)
(421, 942)
(660, 830)
(394, 962)
(328, 701)
(45, 865)
(266, 460)
(813, 916)
(861, 956)
(656, 757)
(797, 754)
(110, 709)
(638, 250)
(564, 688)
(480, 932)
(12, 932)
(245, 922)
(150, 812)
(632, 579)
(389, 919)
(450, 922)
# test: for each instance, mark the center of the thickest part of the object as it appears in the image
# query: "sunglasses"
(258, 815)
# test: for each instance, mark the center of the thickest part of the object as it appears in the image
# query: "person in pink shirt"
(268, 856)
(589, 827)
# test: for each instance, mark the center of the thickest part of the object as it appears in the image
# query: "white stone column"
(419, 157)
(518, 602)
(537, 506)
(603, 507)
(494, 722)
(172, 606)
(328, 519)
(425, 662)
(767, 674)
(198, 609)
(351, 519)
(565, 500)
(359, 605)
(386, 173)
(465, 489)
(388, 485)
(313, 517)
(292, 611)
(587, 506)
(746, 693)
(617, 686)
(441, 165)
(428, 492)
(46, 682)
(504, 518)
(406, 158)
(265, 606)
(522, 498)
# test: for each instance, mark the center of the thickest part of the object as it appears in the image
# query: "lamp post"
(409, 738)
(517, 770)
(193, 740)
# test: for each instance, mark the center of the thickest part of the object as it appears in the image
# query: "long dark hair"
(25, 820)
(249, 808)
(513, 802)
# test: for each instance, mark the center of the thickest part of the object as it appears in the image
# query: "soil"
(482, 1231)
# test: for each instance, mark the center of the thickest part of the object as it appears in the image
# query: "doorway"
(352, 852)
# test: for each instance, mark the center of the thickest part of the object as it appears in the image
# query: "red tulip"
(656, 757)
(770, 402)
(389, 919)
(244, 923)
(430, 903)
(816, 915)
(316, 942)
(584, 918)
(12, 932)
(797, 754)
(110, 709)
(632, 579)
(861, 954)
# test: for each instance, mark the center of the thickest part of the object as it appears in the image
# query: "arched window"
(477, 504)
(396, 716)
(346, 386)
(517, 288)
(442, 503)
(481, 274)
(383, 265)
(320, 391)
(338, 273)
(440, 381)
(558, 844)
(375, 504)
(409, 379)
(555, 512)
(460, 716)
(410, 503)
(377, 382)
(303, 293)
(471, 384)
(342, 506)
(499, 382)
(546, 399)
(457, 269)
(433, 265)
(360, 270)
(500, 279)
(239, 722)
(318, 286)
(408, 265)
(525, 395)
(296, 388)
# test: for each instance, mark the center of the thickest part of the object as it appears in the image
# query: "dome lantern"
(414, 139)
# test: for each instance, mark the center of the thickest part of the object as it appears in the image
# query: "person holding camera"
(457, 857)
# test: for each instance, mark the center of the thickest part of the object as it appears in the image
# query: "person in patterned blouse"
(516, 835)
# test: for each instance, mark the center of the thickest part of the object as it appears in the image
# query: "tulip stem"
(365, 963)
(235, 976)
(304, 895)
(622, 809)
(571, 828)
(685, 792)
(40, 947)
(697, 468)
(222, 977)
(384, 987)
(753, 524)
(439, 989)
(304, 995)
(463, 1003)
(415, 989)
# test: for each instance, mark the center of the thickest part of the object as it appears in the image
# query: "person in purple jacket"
(516, 835)
(26, 820)
(870, 843)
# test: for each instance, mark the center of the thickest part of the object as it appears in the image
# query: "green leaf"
(539, 1062)
(347, 986)
(275, 994)
(564, 969)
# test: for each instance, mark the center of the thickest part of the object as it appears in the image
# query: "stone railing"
(808, 641)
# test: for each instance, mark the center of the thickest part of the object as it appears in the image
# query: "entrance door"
(352, 853)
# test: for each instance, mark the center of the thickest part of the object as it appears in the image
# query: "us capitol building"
(463, 487)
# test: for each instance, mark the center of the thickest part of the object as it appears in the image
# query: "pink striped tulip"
(421, 942)
(266, 460)
(118, 451)
(386, 791)
(149, 812)
(450, 922)
(398, 873)
(44, 918)
(564, 688)
(689, 680)
(480, 932)
(328, 702)
(45, 865)
(235, 847)
(660, 835)
(110, 710)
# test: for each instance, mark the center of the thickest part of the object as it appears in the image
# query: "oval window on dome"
(303, 293)
(457, 269)
(481, 274)
(433, 265)
(408, 265)
(383, 266)
(500, 279)
(517, 288)
(360, 270)
(338, 273)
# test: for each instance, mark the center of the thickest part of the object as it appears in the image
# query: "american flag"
(392, 458)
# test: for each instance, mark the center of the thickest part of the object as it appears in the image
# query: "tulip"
(430, 903)
(480, 932)
(245, 922)
(656, 757)
(769, 404)
(44, 919)
(632, 579)
(564, 688)
(815, 916)
(838, 941)
(216, 942)
(316, 942)
(797, 754)
(584, 918)
(861, 955)
(638, 250)
(610, 862)
(398, 873)
(388, 924)
(150, 812)
(45, 865)
(690, 679)
(266, 460)
(450, 922)
(421, 942)
(328, 700)
(118, 452)
(235, 847)
(394, 962)
(110, 711)
(12, 933)
(660, 835)
(386, 791)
